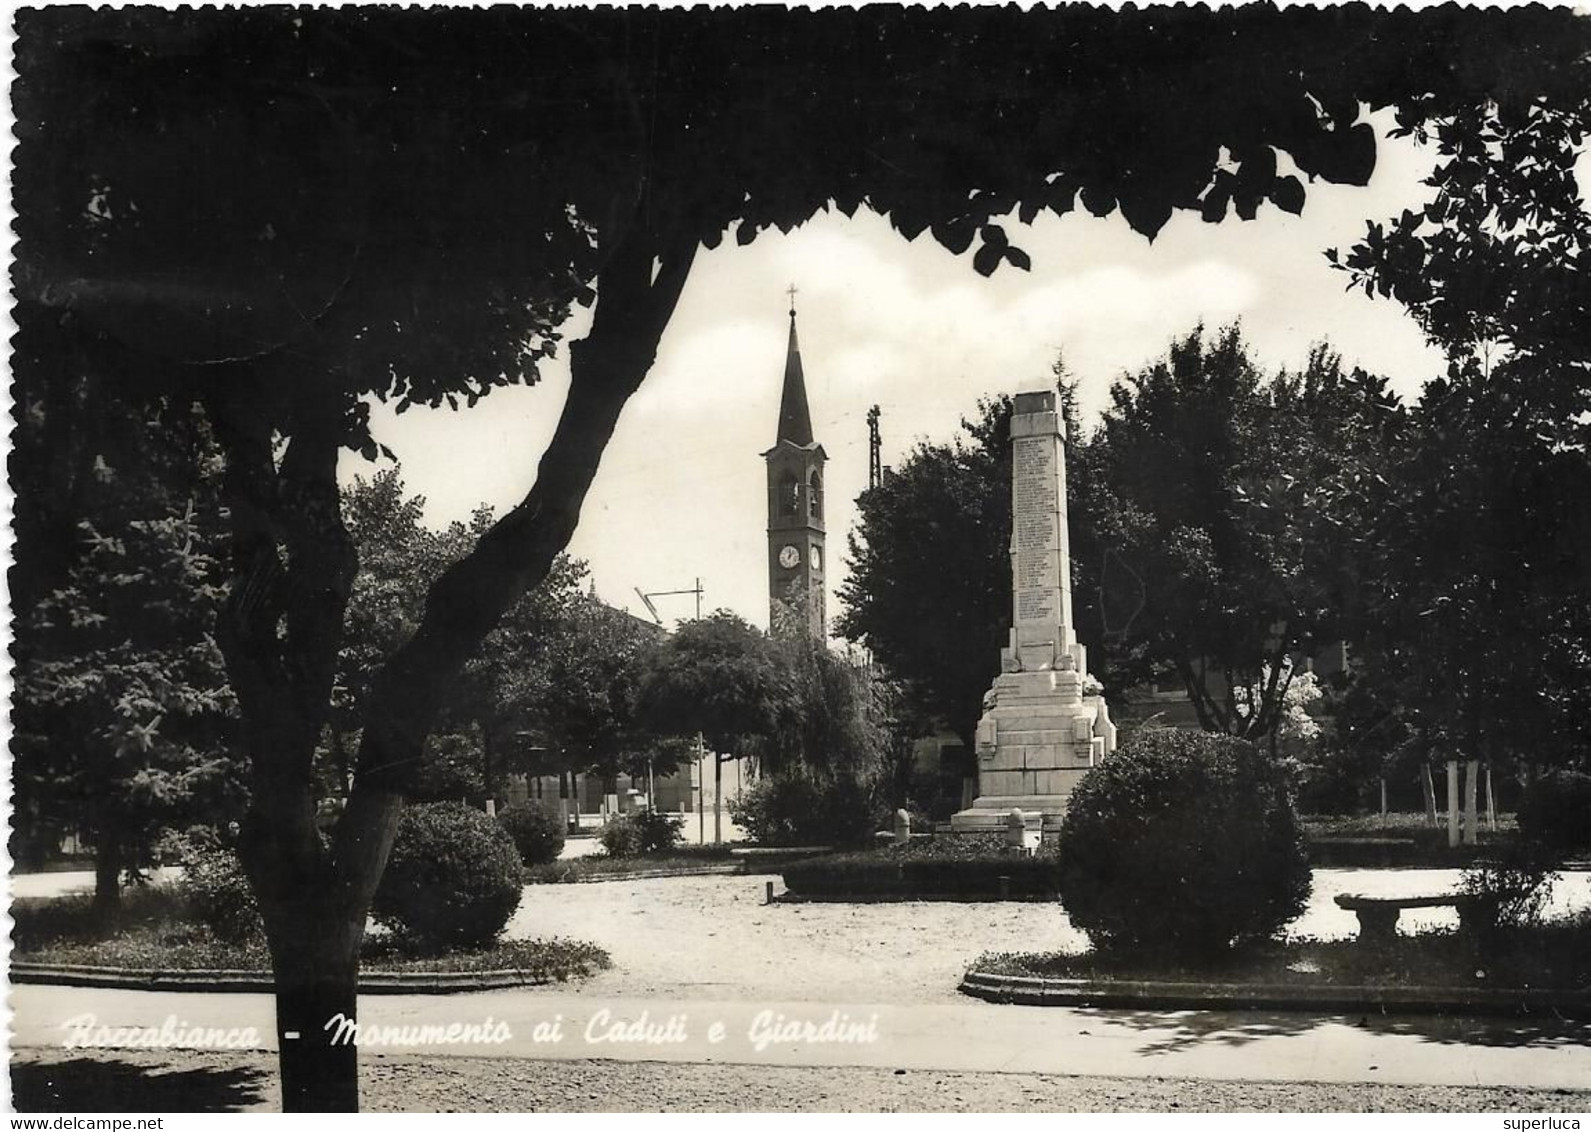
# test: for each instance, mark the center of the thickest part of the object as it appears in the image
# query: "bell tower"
(796, 565)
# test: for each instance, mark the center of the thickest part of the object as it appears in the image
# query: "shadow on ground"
(81, 1084)
(1190, 1028)
(1197, 1027)
(1539, 1032)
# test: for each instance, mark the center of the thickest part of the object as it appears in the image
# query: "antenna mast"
(875, 469)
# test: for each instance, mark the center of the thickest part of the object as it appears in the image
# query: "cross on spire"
(795, 421)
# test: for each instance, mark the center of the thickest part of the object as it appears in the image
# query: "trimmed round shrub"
(452, 881)
(1555, 812)
(1182, 842)
(645, 831)
(216, 891)
(537, 834)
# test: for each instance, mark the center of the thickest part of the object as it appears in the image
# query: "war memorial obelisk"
(1041, 728)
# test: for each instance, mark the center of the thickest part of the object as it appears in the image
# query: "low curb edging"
(1032, 990)
(648, 874)
(911, 897)
(214, 981)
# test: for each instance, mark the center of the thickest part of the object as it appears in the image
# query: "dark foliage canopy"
(408, 200)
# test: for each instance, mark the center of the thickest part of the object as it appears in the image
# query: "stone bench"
(1378, 915)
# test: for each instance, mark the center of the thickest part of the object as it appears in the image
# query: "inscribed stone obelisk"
(1043, 723)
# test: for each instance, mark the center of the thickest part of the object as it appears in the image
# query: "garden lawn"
(598, 865)
(154, 933)
(1551, 956)
(1397, 840)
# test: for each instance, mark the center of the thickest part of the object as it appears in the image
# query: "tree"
(1476, 630)
(829, 729)
(929, 583)
(284, 212)
(1493, 266)
(804, 712)
(590, 712)
(1476, 625)
(1235, 504)
(123, 716)
(723, 679)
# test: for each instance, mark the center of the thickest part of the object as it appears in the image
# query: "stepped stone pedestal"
(1044, 723)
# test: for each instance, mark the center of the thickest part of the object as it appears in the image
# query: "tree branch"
(1269, 714)
(633, 309)
(321, 559)
(1203, 703)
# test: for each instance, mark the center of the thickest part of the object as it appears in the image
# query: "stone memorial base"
(1036, 740)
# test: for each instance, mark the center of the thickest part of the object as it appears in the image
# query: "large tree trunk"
(317, 988)
(293, 569)
(314, 924)
(107, 878)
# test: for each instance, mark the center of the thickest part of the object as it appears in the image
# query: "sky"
(681, 493)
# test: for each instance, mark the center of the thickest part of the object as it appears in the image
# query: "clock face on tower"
(790, 557)
(817, 558)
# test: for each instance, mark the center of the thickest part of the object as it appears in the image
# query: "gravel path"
(55, 1081)
(713, 937)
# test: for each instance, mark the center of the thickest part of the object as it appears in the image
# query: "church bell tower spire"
(795, 418)
(796, 566)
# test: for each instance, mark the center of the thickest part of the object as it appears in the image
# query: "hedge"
(1555, 812)
(890, 872)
